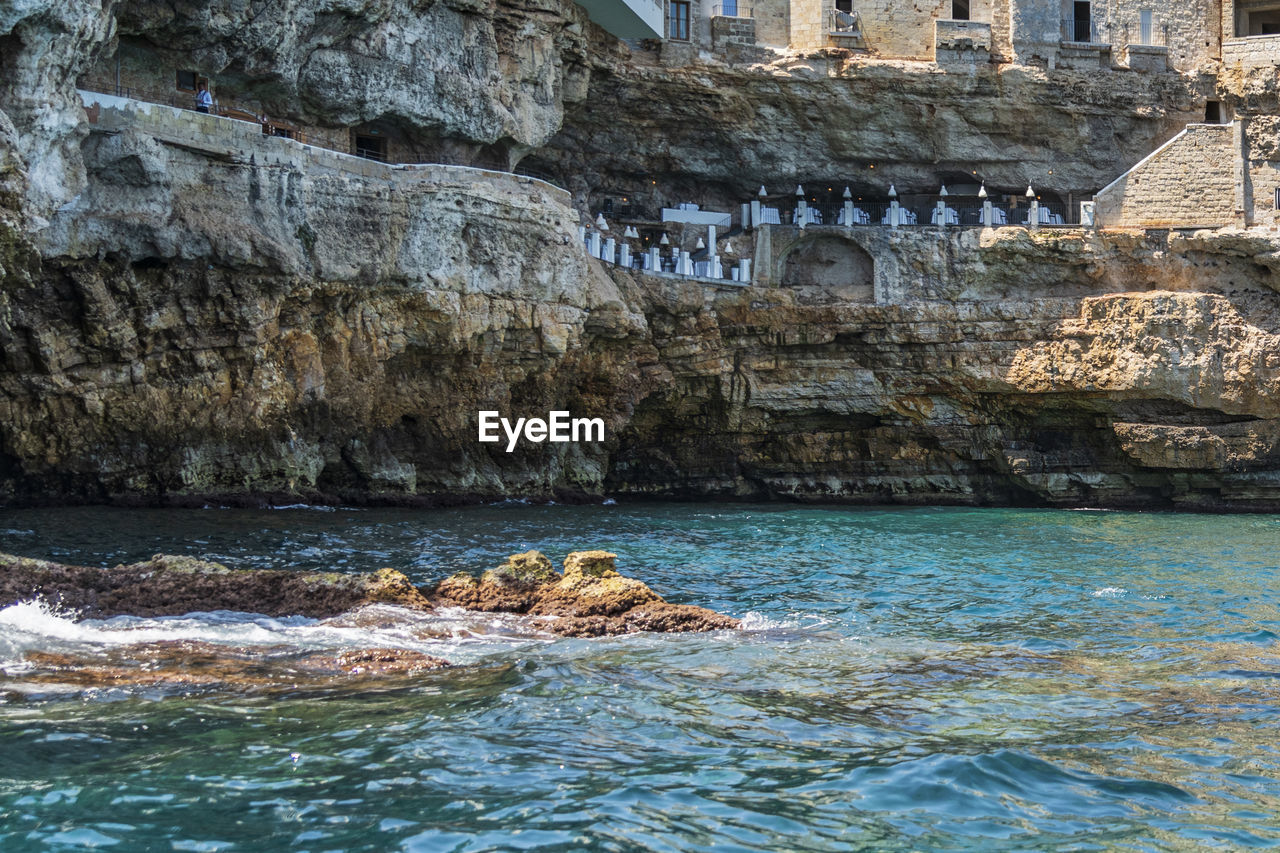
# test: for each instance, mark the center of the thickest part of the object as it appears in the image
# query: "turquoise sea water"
(923, 679)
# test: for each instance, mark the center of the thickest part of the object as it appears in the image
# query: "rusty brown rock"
(590, 599)
(169, 586)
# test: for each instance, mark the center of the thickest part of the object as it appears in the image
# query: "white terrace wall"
(1190, 181)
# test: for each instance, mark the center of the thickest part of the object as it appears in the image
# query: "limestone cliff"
(185, 315)
(715, 133)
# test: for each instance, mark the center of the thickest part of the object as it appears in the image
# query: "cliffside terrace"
(1165, 190)
(231, 136)
(721, 247)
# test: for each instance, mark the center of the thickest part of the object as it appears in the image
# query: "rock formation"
(169, 585)
(589, 599)
(183, 319)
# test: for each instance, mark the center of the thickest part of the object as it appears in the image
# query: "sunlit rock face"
(467, 73)
(182, 321)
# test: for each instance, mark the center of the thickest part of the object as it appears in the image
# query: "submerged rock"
(188, 664)
(590, 599)
(171, 586)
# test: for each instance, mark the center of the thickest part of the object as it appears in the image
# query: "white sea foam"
(754, 620)
(1110, 592)
(457, 635)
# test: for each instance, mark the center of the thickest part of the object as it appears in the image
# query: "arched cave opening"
(830, 268)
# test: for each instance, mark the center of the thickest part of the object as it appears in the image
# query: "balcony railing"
(845, 22)
(731, 10)
(1081, 31)
(1147, 34)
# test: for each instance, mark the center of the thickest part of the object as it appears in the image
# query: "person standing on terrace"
(203, 99)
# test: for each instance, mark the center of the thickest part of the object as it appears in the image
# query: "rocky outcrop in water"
(168, 585)
(589, 599)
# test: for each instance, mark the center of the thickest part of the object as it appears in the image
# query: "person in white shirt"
(203, 99)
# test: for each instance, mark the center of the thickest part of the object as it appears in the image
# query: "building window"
(1146, 27)
(1278, 199)
(1082, 22)
(678, 20)
(187, 81)
(371, 147)
(1263, 21)
(845, 6)
(959, 10)
(1213, 112)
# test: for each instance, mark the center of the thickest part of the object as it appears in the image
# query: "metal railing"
(670, 262)
(1081, 31)
(377, 154)
(845, 22)
(964, 212)
(732, 10)
(1150, 35)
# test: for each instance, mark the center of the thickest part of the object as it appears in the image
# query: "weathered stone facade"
(1191, 181)
(1140, 35)
(184, 316)
(1253, 52)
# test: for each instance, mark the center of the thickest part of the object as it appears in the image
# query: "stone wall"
(1028, 31)
(1253, 52)
(1146, 58)
(733, 37)
(809, 24)
(773, 22)
(1037, 30)
(1190, 29)
(962, 42)
(1189, 181)
(1262, 180)
(906, 30)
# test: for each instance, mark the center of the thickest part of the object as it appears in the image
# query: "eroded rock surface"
(168, 585)
(589, 599)
(180, 322)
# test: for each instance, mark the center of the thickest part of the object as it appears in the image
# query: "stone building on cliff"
(1141, 35)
